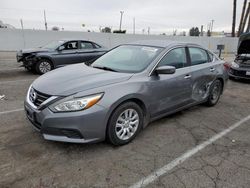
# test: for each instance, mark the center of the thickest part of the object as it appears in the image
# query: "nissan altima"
(123, 91)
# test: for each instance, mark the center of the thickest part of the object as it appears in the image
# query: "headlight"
(235, 65)
(76, 104)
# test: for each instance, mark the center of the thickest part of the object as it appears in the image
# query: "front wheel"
(215, 93)
(125, 123)
(43, 66)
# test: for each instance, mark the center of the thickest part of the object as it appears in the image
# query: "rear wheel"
(43, 66)
(215, 93)
(125, 123)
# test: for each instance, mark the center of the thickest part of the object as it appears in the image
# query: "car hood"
(76, 78)
(34, 50)
(244, 44)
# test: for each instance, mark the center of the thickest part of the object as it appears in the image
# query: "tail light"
(227, 65)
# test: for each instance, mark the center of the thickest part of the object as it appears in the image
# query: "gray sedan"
(123, 91)
(59, 53)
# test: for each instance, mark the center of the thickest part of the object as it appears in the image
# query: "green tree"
(194, 31)
(106, 30)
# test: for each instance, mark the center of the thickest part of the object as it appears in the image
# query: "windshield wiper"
(105, 68)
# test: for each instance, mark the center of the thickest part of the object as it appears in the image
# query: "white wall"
(15, 39)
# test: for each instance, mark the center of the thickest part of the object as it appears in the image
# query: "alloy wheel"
(127, 124)
(215, 94)
(44, 67)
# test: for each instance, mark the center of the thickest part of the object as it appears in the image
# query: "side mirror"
(165, 70)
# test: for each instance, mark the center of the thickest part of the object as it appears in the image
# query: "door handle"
(212, 69)
(188, 76)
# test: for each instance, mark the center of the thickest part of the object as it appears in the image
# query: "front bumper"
(239, 73)
(27, 61)
(75, 127)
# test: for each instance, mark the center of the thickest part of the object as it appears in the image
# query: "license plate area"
(30, 114)
(248, 73)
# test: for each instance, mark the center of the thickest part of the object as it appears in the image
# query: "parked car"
(124, 90)
(59, 53)
(240, 68)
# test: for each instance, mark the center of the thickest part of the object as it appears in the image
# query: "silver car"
(123, 91)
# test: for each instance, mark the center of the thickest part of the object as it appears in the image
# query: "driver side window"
(72, 45)
(176, 58)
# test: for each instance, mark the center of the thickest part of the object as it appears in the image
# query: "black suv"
(60, 53)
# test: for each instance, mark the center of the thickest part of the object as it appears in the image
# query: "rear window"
(96, 45)
(86, 45)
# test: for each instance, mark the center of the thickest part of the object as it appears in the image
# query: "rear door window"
(198, 56)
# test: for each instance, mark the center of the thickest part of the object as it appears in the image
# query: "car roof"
(161, 43)
(73, 39)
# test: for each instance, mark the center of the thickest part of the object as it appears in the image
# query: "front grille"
(37, 98)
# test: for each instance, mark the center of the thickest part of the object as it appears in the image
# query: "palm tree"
(234, 18)
(245, 18)
(242, 17)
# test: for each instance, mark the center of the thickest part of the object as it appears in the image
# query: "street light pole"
(121, 20)
(45, 20)
(24, 43)
(134, 26)
(212, 24)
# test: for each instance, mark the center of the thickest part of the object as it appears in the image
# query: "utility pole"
(24, 43)
(21, 21)
(212, 25)
(234, 18)
(148, 30)
(201, 30)
(133, 25)
(45, 20)
(121, 20)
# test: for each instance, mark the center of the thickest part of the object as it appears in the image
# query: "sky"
(162, 16)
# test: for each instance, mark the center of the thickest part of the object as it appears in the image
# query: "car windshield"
(127, 58)
(53, 45)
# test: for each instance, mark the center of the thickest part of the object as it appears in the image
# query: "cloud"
(160, 15)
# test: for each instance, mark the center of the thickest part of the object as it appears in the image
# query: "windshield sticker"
(150, 49)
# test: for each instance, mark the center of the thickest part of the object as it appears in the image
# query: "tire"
(44, 66)
(214, 93)
(126, 120)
